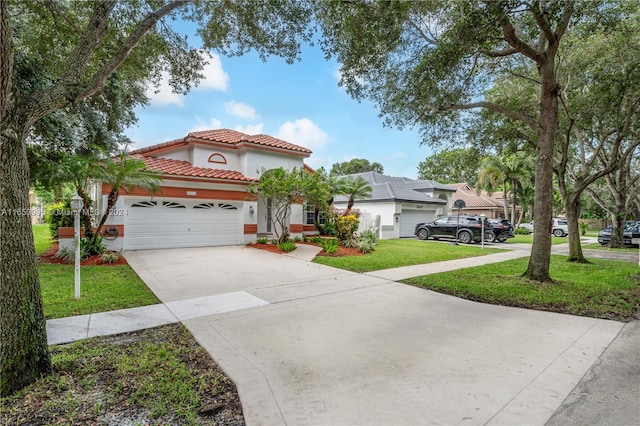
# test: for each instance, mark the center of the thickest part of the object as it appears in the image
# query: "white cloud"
(303, 132)
(164, 95)
(214, 76)
(241, 110)
(250, 129)
(201, 124)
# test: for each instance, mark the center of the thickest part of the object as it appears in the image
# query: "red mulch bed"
(342, 251)
(50, 257)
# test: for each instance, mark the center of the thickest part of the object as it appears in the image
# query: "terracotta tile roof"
(229, 137)
(472, 200)
(184, 168)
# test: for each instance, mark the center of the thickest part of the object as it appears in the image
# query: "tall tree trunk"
(572, 212)
(24, 354)
(539, 262)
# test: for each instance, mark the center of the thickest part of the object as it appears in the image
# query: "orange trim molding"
(177, 192)
(67, 232)
(296, 228)
(309, 228)
(250, 228)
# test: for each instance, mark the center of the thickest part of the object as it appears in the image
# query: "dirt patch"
(267, 247)
(50, 257)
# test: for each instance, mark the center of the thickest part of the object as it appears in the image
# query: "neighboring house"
(203, 199)
(491, 206)
(397, 204)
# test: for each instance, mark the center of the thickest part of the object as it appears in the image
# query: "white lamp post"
(76, 206)
(483, 217)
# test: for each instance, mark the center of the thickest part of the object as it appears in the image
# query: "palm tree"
(125, 173)
(76, 170)
(355, 189)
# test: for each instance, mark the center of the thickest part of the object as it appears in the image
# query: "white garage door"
(410, 218)
(167, 223)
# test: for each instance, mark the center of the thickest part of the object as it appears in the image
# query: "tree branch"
(524, 118)
(563, 24)
(519, 45)
(70, 88)
(6, 66)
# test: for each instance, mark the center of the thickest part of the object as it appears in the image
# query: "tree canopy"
(427, 64)
(454, 165)
(356, 165)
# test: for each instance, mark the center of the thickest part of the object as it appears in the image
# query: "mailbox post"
(76, 206)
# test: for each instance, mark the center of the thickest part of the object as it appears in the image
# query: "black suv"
(469, 228)
(502, 230)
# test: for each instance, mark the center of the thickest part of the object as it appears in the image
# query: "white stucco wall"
(256, 161)
(182, 154)
(201, 154)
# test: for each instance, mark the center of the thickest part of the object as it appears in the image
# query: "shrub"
(330, 245)
(327, 228)
(287, 246)
(298, 239)
(584, 226)
(262, 240)
(57, 215)
(91, 248)
(366, 241)
(521, 231)
(315, 239)
(110, 256)
(69, 255)
(346, 226)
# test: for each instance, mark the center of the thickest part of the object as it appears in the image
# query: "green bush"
(110, 256)
(327, 228)
(521, 231)
(287, 246)
(330, 245)
(69, 254)
(584, 226)
(346, 226)
(315, 239)
(263, 240)
(91, 248)
(366, 241)
(58, 215)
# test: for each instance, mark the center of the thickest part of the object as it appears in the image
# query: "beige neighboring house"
(491, 206)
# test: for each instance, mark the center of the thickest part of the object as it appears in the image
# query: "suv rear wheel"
(558, 232)
(490, 237)
(465, 237)
(423, 234)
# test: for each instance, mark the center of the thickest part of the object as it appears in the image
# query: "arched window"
(217, 158)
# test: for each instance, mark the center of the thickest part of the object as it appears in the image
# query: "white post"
(483, 217)
(76, 206)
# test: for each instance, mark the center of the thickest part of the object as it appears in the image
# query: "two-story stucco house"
(203, 199)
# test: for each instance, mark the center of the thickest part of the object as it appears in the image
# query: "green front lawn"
(598, 246)
(102, 288)
(528, 239)
(604, 289)
(402, 252)
(41, 238)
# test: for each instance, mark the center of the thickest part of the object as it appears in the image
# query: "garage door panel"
(410, 218)
(176, 223)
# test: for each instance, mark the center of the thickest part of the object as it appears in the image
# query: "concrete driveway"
(338, 348)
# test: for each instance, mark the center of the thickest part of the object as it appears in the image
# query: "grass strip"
(157, 376)
(102, 288)
(603, 289)
(395, 253)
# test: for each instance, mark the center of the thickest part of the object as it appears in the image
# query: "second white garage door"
(410, 218)
(172, 223)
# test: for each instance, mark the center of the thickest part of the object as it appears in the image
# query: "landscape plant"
(287, 246)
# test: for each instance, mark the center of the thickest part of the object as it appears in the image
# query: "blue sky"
(300, 103)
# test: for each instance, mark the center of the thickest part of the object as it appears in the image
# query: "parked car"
(560, 227)
(631, 231)
(469, 228)
(527, 226)
(502, 230)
